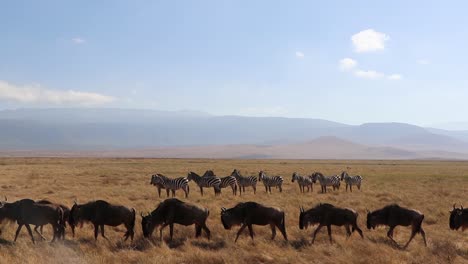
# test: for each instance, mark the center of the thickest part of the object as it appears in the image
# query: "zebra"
(171, 184)
(158, 184)
(246, 181)
(303, 182)
(351, 180)
(270, 181)
(205, 181)
(325, 181)
(228, 181)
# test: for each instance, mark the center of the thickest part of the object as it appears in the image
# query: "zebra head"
(344, 174)
(261, 175)
(294, 177)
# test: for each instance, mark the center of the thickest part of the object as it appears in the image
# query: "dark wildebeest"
(394, 215)
(458, 218)
(328, 215)
(251, 213)
(173, 211)
(101, 213)
(27, 212)
(66, 214)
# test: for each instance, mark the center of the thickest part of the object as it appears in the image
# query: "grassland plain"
(429, 186)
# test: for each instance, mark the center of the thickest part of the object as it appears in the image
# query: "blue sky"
(407, 60)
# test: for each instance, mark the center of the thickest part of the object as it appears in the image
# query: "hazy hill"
(197, 134)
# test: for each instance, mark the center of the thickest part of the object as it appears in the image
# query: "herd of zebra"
(237, 182)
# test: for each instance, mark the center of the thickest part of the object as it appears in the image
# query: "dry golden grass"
(429, 186)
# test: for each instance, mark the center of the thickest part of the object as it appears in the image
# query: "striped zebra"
(303, 182)
(325, 181)
(157, 183)
(351, 180)
(246, 181)
(228, 181)
(171, 184)
(205, 181)
(270, 181)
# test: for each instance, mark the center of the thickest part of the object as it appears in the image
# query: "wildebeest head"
(456, 218)
(147, 225)
(371, 220)
(311, 216)
(74, 219)
(231, 217)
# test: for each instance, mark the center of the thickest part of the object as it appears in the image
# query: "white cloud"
(30, 94)
(423, 61)
(299, 54)
(369, 40)
(394, 77)
(372, 75)
(78, 40)
(347, 64)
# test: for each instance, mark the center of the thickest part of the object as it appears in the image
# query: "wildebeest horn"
(6, 199)
(453, 206)
(302, 209)
(141, 213)
(367, 210)
(223, 209)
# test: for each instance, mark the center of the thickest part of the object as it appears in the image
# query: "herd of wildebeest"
(172, 211)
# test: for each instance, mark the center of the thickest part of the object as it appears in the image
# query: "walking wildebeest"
(66, 214)
(173, 211)
(458, 218)
(393, 215)
(328, 215)
(27, 212)
(101, 213)
(251, 213)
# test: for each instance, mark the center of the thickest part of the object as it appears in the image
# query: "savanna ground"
(429, 186)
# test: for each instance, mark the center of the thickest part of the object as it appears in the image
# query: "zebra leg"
(167, 192)
(281, 188)
(186, 192)
(201, 191)
(351, 187)
(254, 188)
(273, 231)
(159, 192)
(240, 231)
(266, 189)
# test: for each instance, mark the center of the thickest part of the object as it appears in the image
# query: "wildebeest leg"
(197, 230)
(329, 233)
(251, 231)
(18, 230)
(315, 233)
(161, 231)
(273, 231)
(96, 231)
(240, 231)
(413, 233)
(348, 232)
(390, 234)
(30, 233)
(42, 237)
(423, 234)
(355, 227)
(171, 231)
(207, 231)
(102, 232)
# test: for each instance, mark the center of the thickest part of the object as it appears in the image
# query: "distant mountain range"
(150, 133)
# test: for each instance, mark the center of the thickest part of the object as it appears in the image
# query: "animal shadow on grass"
(176, 242)
(300, 243)
(140, 244)
(210, 245)
(386, 241)
(4, 242)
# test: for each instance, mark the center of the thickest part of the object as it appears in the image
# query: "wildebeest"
(458, 218)
(393, 215)
(101, 213)
(328, 215)
(251, 213)
(173, 211)
(66, 214)
(27, 212)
